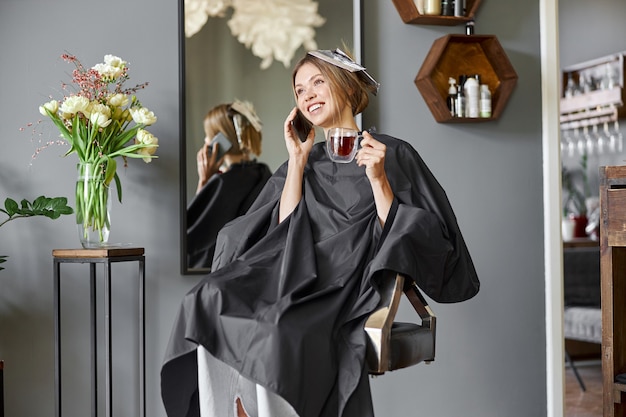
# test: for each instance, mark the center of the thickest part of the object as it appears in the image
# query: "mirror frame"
(357, 19)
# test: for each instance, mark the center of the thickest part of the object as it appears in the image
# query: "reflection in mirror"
(216, 68)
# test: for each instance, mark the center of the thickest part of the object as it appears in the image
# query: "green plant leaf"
(52, 208)
(111, 170)
(11, 206)
(118, 187)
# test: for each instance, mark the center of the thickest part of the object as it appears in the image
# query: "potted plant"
(575, 203)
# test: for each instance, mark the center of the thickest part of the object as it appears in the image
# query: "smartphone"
(302, 126)
(223, 143)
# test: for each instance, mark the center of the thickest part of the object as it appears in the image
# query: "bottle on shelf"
(472, 97)
(462, 79)
(447, 7)
(420, 6)
(571, 89)
(485, 101)
(460, 97)
(451, 99)
(609, 79)
(432, 7)
(585, 83)
(459, 8)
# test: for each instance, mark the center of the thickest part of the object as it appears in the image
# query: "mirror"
(215, 68)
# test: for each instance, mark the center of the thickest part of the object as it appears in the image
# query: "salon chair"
(395, 345)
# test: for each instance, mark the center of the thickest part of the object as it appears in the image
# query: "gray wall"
(491, 350)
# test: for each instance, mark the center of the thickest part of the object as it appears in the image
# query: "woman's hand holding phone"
(302, 126)
(297, 147)
(209, 159)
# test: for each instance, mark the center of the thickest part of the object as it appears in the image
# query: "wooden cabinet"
(593, 92)
(453, 55)
(408, 12)
(613, 287)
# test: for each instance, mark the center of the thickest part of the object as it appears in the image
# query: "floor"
(588, 403)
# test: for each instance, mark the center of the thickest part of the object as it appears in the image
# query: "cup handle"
(359, 137)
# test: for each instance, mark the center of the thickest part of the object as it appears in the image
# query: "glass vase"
(93, 204)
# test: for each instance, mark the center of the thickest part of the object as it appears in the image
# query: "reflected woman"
(229, 178)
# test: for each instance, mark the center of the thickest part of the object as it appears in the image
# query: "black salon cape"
(286, 303)
(223, 198)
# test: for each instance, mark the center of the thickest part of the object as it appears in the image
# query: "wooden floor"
(588, 403)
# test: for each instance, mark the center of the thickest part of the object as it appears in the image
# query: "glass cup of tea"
(342, 144)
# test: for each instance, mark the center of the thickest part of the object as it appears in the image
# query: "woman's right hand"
(207, 162)
(298, 150)
(298, 155)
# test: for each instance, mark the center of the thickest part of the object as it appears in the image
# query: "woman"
(281, 317)
(229, 178)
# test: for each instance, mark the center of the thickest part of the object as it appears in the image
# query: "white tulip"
(52, 106)
(141, 115)
(75, 104)
(118, 100)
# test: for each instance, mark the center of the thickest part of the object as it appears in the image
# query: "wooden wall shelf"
(408, 12)
(453, 55)
(602, 101)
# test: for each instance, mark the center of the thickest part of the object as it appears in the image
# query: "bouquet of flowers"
(101, 120)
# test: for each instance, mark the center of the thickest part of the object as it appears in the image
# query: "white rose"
(143, 116)
(75, 104)
(118, 100)
(52, 106)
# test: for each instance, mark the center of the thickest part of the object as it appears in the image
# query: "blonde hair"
(220, 119)
(344, 85)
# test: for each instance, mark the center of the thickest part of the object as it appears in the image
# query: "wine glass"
(580, 142)
(571, 145)
(619, 137)
(601, 141)
(589, 141)
(611, 138)
(568, 147)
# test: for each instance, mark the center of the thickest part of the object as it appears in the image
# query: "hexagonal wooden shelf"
(408, 12)
(454, 55)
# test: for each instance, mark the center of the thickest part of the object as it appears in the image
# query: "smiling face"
(318, 102)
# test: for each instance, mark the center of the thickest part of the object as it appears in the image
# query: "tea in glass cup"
(342, 144)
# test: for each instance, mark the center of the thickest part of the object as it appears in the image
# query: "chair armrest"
(378, 325)
(417, 300)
